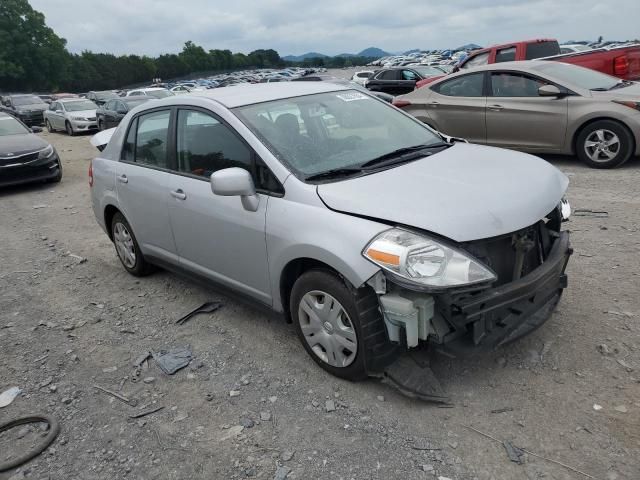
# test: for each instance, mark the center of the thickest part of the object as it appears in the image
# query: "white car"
(155, 92)
(362, 76)
(184, 89)
(72, 115)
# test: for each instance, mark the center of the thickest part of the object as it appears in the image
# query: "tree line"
(33, 58)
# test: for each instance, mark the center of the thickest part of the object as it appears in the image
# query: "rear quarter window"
(542, 49)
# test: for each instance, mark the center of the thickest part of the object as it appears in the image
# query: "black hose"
(54, 429)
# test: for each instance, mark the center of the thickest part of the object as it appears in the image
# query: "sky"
(331, 27)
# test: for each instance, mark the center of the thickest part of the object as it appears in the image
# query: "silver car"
(365, 228)
(538, 107)
(72, 115)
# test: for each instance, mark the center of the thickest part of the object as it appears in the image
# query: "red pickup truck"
(622, 62)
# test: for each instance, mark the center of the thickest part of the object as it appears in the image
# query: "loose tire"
(604, 144)
(48, 125)
(341, 327)
(69, 129)
(127, 247)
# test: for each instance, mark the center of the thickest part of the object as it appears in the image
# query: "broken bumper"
(472, 322)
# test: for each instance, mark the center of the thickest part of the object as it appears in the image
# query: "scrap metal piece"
(131, 401)
(415, 380)
(173, 360)
(208, 307)
(514, 453)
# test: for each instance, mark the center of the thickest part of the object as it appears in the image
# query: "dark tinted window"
(387, 75)
(480, 59)
(542, 49)
(514, 85)
(130, 143)
(465, 86)
(206, 145)
(110, 105)
(151, 139)
(506, 55)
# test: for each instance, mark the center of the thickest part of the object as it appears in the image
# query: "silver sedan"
(537, 107)
(362, 226)
(72, 115)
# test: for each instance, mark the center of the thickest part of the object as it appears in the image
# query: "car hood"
(20, 144)
(467, 192)
(36, 107)
(632, 92)
(82, 113)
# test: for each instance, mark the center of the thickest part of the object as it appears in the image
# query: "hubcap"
(327, 329)
(602, 145)
(124, 245)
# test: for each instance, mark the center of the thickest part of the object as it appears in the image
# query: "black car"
(100, 98)
(347, 83)
(110, 114)
(28, 108)
(25, 157)
(401, 80)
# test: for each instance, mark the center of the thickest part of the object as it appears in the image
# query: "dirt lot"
(67, 324)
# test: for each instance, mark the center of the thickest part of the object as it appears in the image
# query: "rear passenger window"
(506, 55)
(387, 75)
(205, 145)
(465, 86)
(151, 139)
(128, 149)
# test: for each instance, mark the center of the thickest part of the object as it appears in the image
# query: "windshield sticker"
(351, 96)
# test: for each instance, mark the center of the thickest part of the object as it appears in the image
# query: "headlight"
(45, 153)
(425, 262)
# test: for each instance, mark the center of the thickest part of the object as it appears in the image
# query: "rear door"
(216, 236)
(457, 107)
(407, 82)
(517, 116)
(385, 81)
(142, 178)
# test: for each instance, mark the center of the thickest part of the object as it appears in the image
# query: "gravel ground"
(253, 404)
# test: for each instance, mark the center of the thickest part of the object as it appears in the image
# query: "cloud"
(331, 26)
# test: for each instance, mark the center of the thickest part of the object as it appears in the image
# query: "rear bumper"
(501, 315)
(34, 172)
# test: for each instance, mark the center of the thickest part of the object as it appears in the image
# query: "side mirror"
(549, 91)
(36, 129)
(233, 182)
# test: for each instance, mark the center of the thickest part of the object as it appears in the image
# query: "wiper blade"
(334, 173)
(403, 154)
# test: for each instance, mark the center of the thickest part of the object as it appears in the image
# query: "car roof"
(249, 94)
(135, 98)
(72, 99)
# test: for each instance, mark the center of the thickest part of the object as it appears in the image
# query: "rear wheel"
(604, 144)
(341, 327)
(69, 129)
(127, 247)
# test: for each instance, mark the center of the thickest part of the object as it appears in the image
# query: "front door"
(142, 177)
(215, 236)
(518, 117)
(457, 107)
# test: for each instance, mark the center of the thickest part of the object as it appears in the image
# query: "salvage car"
(27, 108)
(113, 111)
(101, 97)
(25, 157)
(537, 107)
(396, 81)
(72, 115)
(368, 230)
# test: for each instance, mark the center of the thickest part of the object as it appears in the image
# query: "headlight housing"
(425, 263)
(45, 153)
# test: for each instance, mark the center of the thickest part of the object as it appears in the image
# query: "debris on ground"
(281, 473)
(170, 361)
(131, 401)
(146, 412)
(9, 396)
(330, 406)
(208, 307)
(585, 212)
(514, 453)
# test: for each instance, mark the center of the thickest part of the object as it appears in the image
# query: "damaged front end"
(513, 283)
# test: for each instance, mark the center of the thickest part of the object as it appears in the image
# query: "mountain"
(299, 58)
(373, 52)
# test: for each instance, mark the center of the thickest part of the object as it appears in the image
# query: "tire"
(69, 129)
(604, 144)
(100, 125)
(364, 347)
(120, 228)
(48, 125)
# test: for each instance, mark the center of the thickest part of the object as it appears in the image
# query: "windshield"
(317, 133)
(105, 95)
(27, 100)
(158, 93)
(10, 126)
(79, 105)
(578, 76)
(428, 71)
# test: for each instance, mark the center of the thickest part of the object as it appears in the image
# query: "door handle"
(179, 194)
(123, 178)
(495, 108)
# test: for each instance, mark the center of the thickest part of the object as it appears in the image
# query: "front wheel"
(47, 124)
(604, 144)
(127, 247)
(341, 327)
(69, 129)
